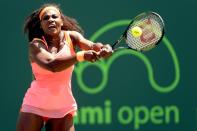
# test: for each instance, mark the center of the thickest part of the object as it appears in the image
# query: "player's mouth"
(52, 26)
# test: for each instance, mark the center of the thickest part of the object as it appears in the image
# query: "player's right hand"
(91, 56)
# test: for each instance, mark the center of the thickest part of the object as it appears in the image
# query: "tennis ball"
(136, 31)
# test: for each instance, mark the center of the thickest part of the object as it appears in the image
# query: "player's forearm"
(85, 45)
(88, 45)
(57, 64)
(60, 64)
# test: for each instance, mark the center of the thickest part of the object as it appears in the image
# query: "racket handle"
(113, 46)
(117, 42)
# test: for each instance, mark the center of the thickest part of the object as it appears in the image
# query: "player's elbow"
(51, 66)
(47, 65)
(54, 66)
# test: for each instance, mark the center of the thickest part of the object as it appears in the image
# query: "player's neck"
(54, 40)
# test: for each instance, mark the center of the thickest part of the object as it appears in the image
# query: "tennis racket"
(143, 33)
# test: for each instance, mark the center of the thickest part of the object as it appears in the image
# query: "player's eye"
(54, 16)
(46, 17)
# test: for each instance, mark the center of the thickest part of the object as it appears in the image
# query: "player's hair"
(33, 28)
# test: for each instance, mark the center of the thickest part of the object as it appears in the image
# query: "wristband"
(80, 56)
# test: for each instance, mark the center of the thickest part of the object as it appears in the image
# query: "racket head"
(145, 31)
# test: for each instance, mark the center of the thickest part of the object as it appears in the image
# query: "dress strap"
(43, 41)
(68, 40)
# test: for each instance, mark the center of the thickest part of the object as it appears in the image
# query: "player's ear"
(62, 23)
(61, 20)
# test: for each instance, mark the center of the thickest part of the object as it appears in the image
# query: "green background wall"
(127, 101)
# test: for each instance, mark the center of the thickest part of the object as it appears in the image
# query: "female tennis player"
(53, 38)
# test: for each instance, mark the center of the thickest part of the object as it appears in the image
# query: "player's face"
(51, 22)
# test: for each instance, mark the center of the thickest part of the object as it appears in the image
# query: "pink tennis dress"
(50, 94)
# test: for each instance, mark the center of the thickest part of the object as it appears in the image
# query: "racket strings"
(152, 30)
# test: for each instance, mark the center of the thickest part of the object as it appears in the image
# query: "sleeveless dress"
(50, 94)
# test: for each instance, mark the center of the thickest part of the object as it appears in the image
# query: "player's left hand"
(106, 51)
(97, 47)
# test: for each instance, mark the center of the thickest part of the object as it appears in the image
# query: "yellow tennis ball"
(136, 31)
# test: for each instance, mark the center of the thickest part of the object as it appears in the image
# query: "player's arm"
(104, 50)
(52, 62)
(83, 43)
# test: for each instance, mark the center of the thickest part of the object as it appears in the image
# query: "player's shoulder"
(39, 43)
(73, 33)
